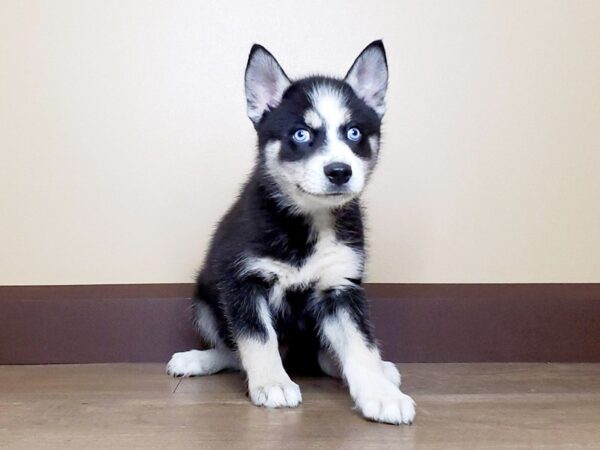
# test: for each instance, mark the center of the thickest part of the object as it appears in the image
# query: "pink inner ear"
(362, 71)
(265, 82)
(368, 78)
(271, 87)
(365, 77)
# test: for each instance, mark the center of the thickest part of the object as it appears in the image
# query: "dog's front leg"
(268, 383)
(345, 329)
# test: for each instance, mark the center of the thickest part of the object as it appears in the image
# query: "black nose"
(338, 173)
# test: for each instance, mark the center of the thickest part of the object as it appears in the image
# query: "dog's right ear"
(265, 82)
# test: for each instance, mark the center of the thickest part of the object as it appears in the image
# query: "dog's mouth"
(325, 194)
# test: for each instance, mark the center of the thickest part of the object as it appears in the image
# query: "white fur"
(391, 373)
(206, 324)
(374, 144)
(202, 362)
(329, 266)
(304, 181)
(377, 397)
(330, 105)
(288, 176)
(331, 367)
(268, 383)
(308, 174)
(313, 119)
(328, 364)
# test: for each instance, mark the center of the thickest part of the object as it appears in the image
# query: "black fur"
(287, 117)
(258, 223)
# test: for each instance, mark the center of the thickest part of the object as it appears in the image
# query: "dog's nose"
(338, 173)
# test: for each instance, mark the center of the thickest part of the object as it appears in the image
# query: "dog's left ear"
(368, 76)
(265, 82)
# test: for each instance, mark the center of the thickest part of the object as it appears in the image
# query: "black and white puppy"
(284, 270)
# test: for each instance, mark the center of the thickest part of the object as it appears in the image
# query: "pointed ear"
(368, 76)
(265, 82)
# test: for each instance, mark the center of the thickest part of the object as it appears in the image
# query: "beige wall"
(123, 134)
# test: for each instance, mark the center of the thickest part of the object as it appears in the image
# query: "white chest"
(330, 265)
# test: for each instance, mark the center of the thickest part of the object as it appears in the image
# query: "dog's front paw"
(276, 394)
(391, 372)
(385, 403)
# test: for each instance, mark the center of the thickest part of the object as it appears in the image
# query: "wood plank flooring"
(459, 406)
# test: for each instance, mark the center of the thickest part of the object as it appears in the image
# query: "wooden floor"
(138, 406)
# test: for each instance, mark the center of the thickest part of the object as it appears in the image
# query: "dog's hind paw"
(201, 362)
(187, 364)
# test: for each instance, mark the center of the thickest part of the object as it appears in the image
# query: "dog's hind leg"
(204, 362)
(328, 364)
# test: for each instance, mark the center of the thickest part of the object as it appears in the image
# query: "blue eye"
(301, 136)
(353, 134)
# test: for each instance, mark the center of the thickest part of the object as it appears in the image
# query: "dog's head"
(318, 137)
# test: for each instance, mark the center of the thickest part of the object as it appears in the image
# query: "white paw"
(391, 372)
(190, 363)
(384, 402)
(284, 394)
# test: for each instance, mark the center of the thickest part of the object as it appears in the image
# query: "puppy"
(285, 266)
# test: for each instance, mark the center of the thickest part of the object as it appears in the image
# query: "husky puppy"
(284, 270)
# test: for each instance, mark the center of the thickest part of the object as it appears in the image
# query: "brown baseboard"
(414, 322)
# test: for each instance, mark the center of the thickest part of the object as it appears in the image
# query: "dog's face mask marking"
(318, 136)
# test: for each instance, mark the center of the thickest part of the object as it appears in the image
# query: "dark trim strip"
(414, 322)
